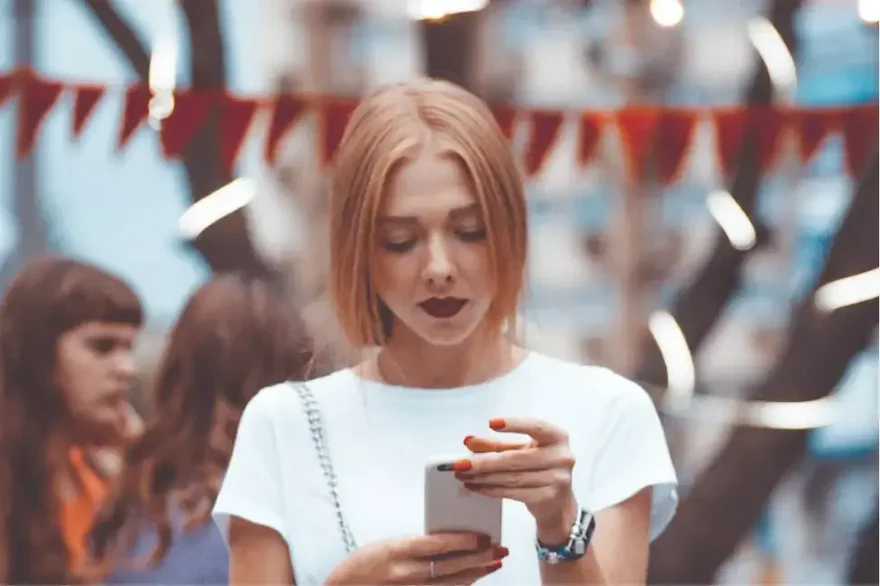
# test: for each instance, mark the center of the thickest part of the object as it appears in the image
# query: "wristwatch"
(578, 541)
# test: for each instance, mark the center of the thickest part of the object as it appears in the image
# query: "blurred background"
(702, 182)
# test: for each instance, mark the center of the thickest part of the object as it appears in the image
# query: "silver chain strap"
(316, 428)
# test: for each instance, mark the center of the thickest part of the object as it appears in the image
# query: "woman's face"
(94, 370)
(433, 265)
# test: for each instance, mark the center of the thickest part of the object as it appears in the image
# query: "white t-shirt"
(379, 438)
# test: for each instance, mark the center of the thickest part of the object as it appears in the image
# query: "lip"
(443, 307)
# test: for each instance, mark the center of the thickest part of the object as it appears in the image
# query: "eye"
(472, 235)
(399, 246)
(102, 345)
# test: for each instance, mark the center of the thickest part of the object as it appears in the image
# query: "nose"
(439, 268)
(124, 365)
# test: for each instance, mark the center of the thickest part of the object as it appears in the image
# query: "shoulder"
(595, 387)
(284, 399)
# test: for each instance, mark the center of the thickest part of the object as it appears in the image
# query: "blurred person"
(233, 337)
(67, 331)
(428, 249)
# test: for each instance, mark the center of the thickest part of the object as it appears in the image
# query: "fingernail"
(462, 466)
(467, 439)
(494, 566)
(500, 552)
(496, 424)
(483, 542)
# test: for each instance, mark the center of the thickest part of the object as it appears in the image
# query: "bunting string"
(655, 139)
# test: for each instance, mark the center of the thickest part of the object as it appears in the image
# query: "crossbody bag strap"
(316, 430)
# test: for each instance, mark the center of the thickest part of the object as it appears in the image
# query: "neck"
(413, 363)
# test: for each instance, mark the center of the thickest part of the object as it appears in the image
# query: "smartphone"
(450, 507)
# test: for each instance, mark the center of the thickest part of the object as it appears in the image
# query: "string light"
(667, 13)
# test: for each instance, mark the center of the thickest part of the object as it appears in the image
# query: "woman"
(234, 337)
(66, 366)
(428, 233)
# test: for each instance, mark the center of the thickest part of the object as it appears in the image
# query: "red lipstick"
(443, 307)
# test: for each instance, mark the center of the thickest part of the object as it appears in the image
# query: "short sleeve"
(632, 454)
(251, 488)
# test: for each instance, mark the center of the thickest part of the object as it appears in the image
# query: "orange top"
(78, 513)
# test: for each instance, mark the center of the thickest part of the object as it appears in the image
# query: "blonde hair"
(386, 129)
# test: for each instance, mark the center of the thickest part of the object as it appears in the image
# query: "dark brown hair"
(46, 299)
(234, 337)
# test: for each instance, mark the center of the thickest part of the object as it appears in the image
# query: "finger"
(437, 544)
(523, 495)
(480, 445)
(452, 565)
(528, 479)
(541, 431)
(522, 460)
(468, 577)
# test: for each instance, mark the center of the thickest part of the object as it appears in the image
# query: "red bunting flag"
(85, 98)
(287, 110)
(36, 99)
(860, 136)
(190, 111)
(237, 115)
(544, 131)
(729, 128)
(637, 129)
(505, 116)
(7, 86)
(591, 127)
(335, 115)
(672, 142)
(811, 128)
(135, 109)
(766, 125)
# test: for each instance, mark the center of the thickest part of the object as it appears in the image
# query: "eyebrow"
(454, 213)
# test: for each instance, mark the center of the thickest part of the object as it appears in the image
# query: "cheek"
(74, 376)
(395, 273)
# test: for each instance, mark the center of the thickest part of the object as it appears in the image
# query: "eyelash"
(464, 236)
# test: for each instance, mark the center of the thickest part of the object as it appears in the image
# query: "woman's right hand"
(458, 558)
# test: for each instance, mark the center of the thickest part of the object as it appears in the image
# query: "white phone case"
(450, 507)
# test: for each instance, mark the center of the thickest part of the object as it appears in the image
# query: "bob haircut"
(387, 129)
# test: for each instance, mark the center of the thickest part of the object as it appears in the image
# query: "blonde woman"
(428, 249)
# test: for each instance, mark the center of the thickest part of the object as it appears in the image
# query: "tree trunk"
(226, 245)
(864, 567)
(728, 497)
(33, 232)
(699, 306)
(450, 46)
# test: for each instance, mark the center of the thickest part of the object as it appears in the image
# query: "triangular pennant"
(7, 86)
(237, 115)
(811, 127)
(637, 127)
(286, 111)
(766, 125)
(860, 136)
(544, 126)
(135, 109)
(189, 113)
(85, 98)
(673, 138)
(730, 126)
(36, 99)
(505, 116)
(335, 117)
(590, 129)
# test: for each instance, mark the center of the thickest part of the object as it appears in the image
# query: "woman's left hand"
(536, 473)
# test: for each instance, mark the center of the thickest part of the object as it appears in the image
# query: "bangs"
(99, 298)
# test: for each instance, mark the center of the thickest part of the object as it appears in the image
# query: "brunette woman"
(66, 365)
(428, 249)
(234, 337)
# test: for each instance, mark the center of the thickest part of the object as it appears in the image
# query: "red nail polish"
(500, 552)
(496, 424)
(462, 466)
(494, 566)
(467, 439)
